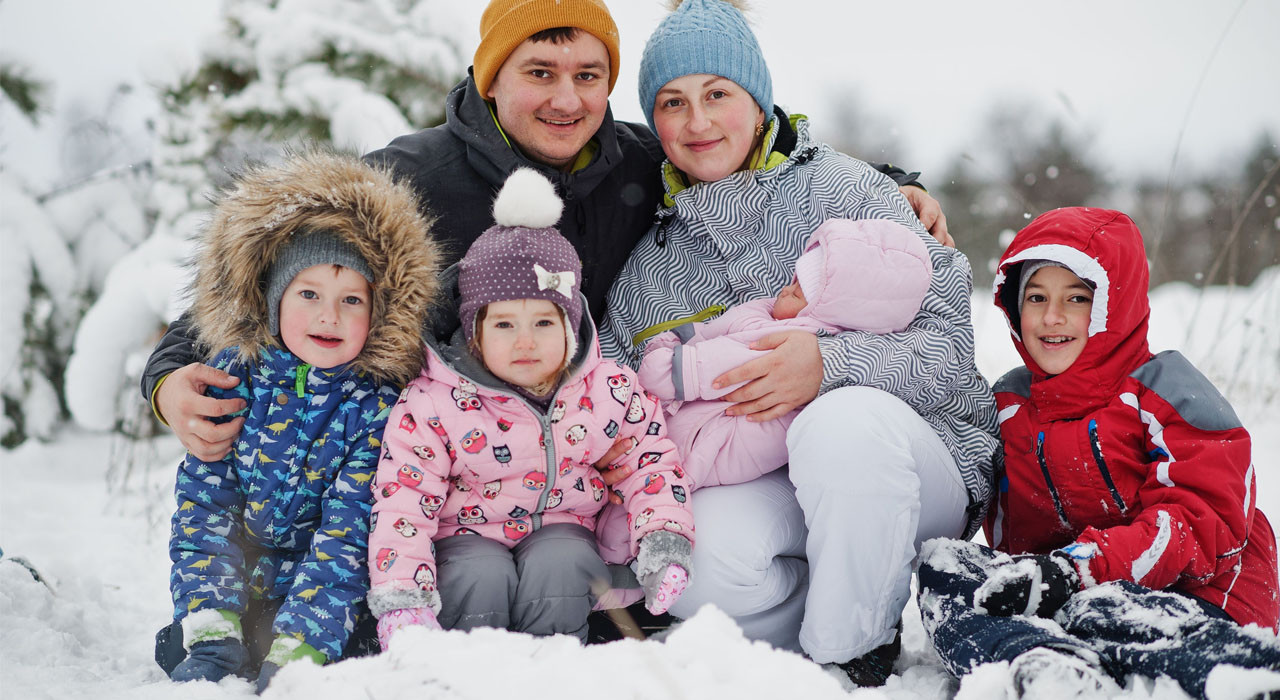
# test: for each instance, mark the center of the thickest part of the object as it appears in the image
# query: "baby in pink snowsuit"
(865, 275)
(487, 495)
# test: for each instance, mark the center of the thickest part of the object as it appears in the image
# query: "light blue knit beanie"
(704, 36)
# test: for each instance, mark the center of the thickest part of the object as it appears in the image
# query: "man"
(537, 97)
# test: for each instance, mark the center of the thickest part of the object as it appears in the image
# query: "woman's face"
(707, 125)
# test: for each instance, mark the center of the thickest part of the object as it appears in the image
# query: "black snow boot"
(634, 621)
(873, 668)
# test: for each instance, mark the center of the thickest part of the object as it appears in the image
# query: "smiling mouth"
(559, 122)
(702, 146)
(1056, 339)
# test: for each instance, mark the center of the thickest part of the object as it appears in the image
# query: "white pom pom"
(527, 199)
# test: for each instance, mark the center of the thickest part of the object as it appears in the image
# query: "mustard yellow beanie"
(507, 23)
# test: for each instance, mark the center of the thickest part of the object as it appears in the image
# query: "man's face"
(551, 98)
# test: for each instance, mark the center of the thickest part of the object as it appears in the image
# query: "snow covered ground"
(91, 513)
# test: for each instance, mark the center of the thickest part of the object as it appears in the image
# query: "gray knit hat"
(522, 256)
(704, 36)
(302, 251)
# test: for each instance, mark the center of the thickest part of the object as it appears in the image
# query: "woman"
(895, 447)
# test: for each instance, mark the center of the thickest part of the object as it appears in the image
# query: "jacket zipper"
(1053, 490)
(535, 518)
(1096, 446)
(657, 328)
(548, 438)
(300, 380)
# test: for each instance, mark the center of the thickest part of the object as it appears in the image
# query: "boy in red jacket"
(1126, 515)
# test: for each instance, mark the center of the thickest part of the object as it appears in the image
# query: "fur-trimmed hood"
(363, 205)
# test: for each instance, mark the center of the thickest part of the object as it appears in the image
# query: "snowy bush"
(275, 72)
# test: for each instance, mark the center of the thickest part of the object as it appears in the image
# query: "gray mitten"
(663, 567)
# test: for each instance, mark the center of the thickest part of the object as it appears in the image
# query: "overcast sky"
(1142, 76)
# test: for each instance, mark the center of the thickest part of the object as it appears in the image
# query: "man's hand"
(781, 381)
(929, 212)
(182, 403)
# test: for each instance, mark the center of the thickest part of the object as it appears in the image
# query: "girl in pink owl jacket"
(487, 495)
(866, 275)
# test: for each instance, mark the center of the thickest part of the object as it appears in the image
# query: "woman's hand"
(929, 212)
(781, 381)
(183, 405)
(610, 472)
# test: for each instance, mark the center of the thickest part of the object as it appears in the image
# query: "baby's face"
(790, 302)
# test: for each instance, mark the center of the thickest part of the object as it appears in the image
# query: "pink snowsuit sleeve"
(656, 493)
(412, 485)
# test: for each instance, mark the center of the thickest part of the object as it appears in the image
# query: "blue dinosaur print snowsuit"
(269, 544)
(285, 516)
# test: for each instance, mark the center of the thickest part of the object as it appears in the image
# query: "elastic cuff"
(210, 624)
(659, 549)
(1078, 556)
(387, 597)
(827, 344)
(678, 380)
(288, 649)
(154, 409)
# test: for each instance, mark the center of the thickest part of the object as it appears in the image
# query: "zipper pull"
(300, 381)
(660, 237)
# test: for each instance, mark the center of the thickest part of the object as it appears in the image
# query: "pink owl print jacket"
(464, 454)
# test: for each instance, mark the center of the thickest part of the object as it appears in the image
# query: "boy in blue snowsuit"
(311, 286)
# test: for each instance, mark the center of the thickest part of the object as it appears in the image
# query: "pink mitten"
(663, 565)
(673, 582)
(655, 372)
(396, 620)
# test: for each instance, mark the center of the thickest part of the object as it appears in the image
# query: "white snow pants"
(817, 556)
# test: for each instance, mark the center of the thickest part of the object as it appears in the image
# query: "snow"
(90, 512)
(35, 254)
(141, 295)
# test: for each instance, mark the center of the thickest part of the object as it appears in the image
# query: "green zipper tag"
(657, 328)
(300, 383)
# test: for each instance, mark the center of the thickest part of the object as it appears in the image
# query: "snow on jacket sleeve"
(923, 363)
(656, 494)
(334, 577)
(1197, 499)
(413, 483)
(204, 541)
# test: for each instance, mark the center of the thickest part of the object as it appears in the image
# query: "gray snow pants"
(542, 586)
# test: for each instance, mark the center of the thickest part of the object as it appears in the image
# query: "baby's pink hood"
(869, 274)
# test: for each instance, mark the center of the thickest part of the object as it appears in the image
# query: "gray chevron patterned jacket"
(723, 243)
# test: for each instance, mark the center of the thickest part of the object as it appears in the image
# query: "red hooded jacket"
(1136, 459)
